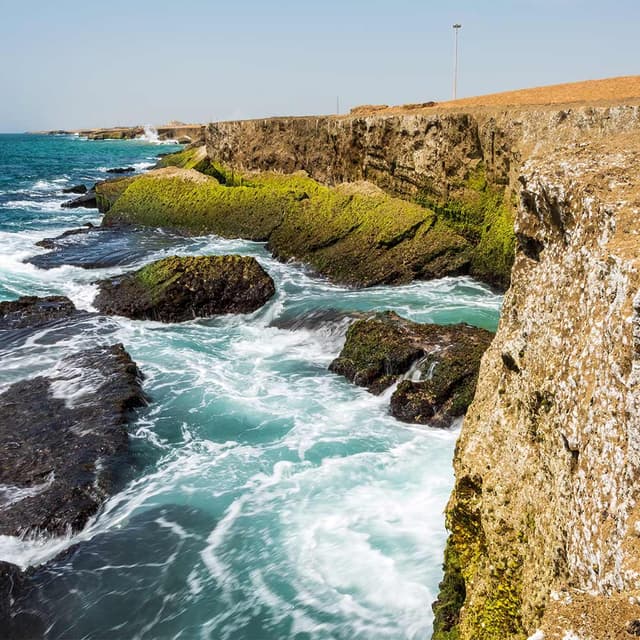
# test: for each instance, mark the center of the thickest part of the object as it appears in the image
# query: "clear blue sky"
(66, 64)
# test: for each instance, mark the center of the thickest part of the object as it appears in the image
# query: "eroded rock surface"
(63, 439)
(30, 311)
(442, 360)
(545, 514)
(183, 288)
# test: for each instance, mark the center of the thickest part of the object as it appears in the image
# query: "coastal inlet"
(265, 496)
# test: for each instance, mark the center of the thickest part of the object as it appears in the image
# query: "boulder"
(62, 457)
(176, 289)
(436, 366)
(88, 200)
(78, 188)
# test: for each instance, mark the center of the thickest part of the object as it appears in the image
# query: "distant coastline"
(178, 131)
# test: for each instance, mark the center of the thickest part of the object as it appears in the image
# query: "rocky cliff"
(544, 521)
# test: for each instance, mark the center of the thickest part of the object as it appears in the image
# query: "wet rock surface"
(31, 311)
(52, 243)
(87, 200)
(77, 188)
(17, 623)
(440, 364)
(61, 456)
(176, 289)
(93, 247)
(121, 170)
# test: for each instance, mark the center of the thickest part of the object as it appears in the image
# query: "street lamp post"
(456, 28)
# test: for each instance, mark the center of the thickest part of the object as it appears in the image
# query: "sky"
(70, 64)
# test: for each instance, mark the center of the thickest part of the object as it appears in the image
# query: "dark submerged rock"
(444, 362)
(51, 243)
(182, 288)
(17, 622)
(121, 170)
(88, 200)
(61, 461)
(30, 311)
(77, 188)
(100, 247)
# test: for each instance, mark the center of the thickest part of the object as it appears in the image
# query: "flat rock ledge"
(434, 366)
(64, 442)
(177, 289)
(64, 438)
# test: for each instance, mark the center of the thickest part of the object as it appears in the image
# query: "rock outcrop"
(87, 200)
(63, 439)
(76, 188)
(183, 288)
(354, 234)
(436, 364)
(30, 311)
(544, 518)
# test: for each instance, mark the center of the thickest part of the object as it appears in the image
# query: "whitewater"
(270, 499)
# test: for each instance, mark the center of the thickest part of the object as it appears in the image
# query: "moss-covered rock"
(187, 158)
(443, 360)
(446, 609)
(448, 378)
(355, 237)
(176, 289)
(483, 215)
(378, 350)
(108, 191)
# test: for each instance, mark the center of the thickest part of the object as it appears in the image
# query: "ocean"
(270, 499)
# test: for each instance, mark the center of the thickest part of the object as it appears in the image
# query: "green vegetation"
(482, 215)
(108, 191)
(495, 611)
(377, 350)
(351, 234)
(352, 237)
(446, 609)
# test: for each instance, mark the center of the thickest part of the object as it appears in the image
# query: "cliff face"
(408, 153)
(543, 518)
(544, 521)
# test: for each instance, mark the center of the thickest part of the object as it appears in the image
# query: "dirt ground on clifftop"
(592, 92)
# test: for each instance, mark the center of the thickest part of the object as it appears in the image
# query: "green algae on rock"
(481, 213)
(352, 235)
(379, 350)
(176, 289)
(108, 191)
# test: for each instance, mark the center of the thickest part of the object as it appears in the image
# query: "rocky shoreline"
(541, 201)
(177, 131)
(86, 406)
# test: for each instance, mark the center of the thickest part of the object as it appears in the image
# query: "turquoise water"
(271, 499)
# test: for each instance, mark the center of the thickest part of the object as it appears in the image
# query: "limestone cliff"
(544, 521)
